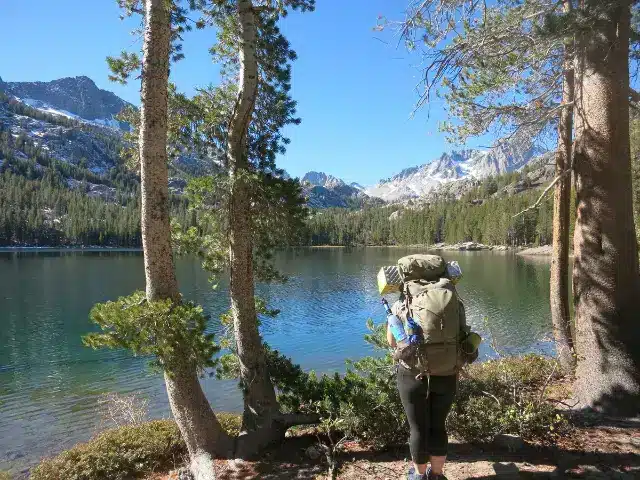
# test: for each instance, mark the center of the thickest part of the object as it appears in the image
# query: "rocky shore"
(542, 251)
(469, 247)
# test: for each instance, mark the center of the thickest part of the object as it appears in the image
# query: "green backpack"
(432, 301)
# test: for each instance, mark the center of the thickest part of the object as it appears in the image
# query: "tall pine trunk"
(198, 425)
(606, 277)
(559, 284)
(260, 404)
(192, 412)
(156, 238)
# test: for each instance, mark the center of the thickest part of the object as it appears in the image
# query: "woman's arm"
(390, 339)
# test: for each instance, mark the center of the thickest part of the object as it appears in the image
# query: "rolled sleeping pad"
(389, 280)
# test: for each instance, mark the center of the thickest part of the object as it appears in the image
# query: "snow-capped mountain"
(73, 121)
(77, 98)
(418, 181)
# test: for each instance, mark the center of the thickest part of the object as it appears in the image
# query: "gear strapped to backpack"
(431, 300)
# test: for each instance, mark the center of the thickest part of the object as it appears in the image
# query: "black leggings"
(426, 414)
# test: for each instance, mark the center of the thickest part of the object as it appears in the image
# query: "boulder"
(512, 443)
(313, 452)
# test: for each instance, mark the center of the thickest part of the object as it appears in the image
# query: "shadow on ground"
(589, 452)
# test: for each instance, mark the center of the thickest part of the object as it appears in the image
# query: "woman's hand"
(390, 339)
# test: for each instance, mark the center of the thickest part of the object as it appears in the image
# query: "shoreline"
(69, 248)
(460, 247)
(541, 251)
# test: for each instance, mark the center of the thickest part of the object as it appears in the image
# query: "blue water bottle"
(395, 324)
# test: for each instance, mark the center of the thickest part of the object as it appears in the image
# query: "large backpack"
(432, 301)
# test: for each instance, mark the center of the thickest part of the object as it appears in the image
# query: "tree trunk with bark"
(156, 238)
(260, 404)
(199, 426)
(192, 412)
(606, 277)
(559, 284)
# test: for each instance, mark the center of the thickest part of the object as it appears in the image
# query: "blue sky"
(355, 92)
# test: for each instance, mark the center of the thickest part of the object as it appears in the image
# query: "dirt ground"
(603, 451)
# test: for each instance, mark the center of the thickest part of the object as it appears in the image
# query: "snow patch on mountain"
(44, 107)
(416, 182)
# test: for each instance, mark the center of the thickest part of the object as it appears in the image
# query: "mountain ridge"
(76, 124)
(325, 191)
(418, 181)
(451, 173)
(78, 95)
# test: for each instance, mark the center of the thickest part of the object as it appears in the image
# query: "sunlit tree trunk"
(260, 403)
(156, 239)
(559, 291)
(192, 412)
(606, 278)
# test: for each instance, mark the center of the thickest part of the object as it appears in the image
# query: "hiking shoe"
(432, 476)
(413, 475)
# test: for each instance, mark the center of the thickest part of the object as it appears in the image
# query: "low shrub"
(230, 422)
(506, 395)
(125, 452)
(5, 476)
(364, 402)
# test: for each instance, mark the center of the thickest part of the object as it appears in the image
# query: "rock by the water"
(544, 250)
(463, 247)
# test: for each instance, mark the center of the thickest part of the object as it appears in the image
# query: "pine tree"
(515, 50)
(606, 277)
(195, 418)
(559, 281)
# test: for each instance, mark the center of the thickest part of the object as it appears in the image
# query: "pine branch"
(544, 194)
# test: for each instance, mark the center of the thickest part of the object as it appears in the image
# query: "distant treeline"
(38, 207)
(42, 210)
(486, 220)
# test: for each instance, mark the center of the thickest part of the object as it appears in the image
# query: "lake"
(50, 385)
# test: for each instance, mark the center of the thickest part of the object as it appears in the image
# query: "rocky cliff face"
(77, 95)
(325, 191)
(91, 146)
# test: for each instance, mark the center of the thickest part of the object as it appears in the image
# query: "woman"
(427, 401)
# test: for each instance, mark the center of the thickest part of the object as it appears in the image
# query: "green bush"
(125, 452)
(505, 396)
(364, 402)
(5, 476)
(230, 422)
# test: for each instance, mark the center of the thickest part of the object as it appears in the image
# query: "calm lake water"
(50, 385)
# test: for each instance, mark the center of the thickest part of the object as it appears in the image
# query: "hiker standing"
(428, 356)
